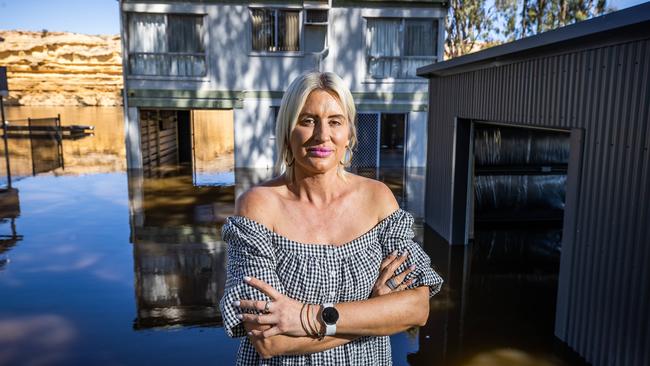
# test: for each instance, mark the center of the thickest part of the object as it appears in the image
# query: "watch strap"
(330, 329)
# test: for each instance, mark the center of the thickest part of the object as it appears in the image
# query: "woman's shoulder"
(259, 202)
(378, 195)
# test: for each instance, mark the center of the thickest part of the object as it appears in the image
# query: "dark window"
(276, 30)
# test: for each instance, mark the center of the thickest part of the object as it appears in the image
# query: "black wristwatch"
(329, 316)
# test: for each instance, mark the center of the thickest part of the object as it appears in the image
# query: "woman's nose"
(321, 132)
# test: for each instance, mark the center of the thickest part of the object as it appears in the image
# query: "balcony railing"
(179, 64)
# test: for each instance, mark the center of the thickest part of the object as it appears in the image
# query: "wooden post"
(5, 137)
(59, 140)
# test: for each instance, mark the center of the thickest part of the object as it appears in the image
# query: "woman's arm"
(377, 316)
(280, 332)
(287, 345)
(379, 320)
(384, 315)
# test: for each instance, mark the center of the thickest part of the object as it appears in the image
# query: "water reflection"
(498, 305)
(9, 212)
(103, 255)
(178, 253)
(102, 152)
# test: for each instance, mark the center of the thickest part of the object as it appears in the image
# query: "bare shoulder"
(381, 198)
(259, 202)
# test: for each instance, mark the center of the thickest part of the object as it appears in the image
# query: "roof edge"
(618, 19)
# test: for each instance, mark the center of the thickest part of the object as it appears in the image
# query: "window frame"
(276, 9)
(369, 78)
(204, 44)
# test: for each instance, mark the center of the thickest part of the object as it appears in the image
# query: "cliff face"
(58, 68)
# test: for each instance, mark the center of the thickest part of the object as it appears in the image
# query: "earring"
(289, 163)
(348, 154)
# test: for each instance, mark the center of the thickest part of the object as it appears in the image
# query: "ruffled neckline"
(314, 248)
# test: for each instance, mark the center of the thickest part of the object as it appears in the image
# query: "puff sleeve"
(250, 253)
(398, 235)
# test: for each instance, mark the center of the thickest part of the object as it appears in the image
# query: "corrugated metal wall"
(604, 307)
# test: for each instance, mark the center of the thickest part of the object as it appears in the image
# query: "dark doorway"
(184, 137)
(391, 147)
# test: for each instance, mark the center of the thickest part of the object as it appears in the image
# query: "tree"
(473, 24)
(468, 22)
(523, 18)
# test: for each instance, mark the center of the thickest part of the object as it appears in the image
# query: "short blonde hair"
(292, 103)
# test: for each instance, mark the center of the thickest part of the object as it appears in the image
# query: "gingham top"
(317, 274)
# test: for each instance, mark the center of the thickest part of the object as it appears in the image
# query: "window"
(276, 30)
(396, 47)
(275, 112)
(166, 45)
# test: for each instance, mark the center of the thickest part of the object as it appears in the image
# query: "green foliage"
(468, 22)
(522, 18)
(473, 24)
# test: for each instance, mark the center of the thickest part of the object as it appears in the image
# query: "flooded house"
(549, 131)
(199, 74)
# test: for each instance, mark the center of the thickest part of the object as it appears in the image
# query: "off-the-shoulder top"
(317, 274)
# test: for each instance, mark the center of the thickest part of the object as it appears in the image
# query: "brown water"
(104, 267)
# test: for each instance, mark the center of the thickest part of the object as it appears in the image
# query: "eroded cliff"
(60, 68)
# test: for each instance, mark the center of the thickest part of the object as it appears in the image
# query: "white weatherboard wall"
(347, 54)
(233, 66)
(416, 140)
(254, 135)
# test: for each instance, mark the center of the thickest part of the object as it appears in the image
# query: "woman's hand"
(282, 313)
(387, 271)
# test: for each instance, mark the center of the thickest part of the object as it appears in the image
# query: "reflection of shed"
(590, 80)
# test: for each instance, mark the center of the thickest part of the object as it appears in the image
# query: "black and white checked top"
(316, 273)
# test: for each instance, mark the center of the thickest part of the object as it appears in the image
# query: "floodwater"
(102, 267)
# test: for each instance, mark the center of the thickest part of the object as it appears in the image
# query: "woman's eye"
(308, 121)
(336, 122)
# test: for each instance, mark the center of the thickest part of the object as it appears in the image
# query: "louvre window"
(166, 45)
(316, 16)
(276, 30)
(396, 47)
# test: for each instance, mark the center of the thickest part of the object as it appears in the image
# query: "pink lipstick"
(320, 152)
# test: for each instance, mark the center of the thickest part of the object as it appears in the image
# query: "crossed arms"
(280, 332)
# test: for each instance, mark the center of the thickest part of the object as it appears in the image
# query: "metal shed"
(592, 80)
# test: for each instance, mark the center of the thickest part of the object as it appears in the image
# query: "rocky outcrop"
(59, 68)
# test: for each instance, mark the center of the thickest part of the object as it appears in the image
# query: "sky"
(80, 16)
(93, 16)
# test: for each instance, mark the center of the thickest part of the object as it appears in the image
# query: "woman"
(321, 262)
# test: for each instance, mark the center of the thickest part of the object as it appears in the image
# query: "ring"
(391, 284)
(267, 306)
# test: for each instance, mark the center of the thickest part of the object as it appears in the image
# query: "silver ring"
(267, 306)
(391, 284)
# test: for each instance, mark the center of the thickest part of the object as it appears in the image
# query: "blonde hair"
(292, 103)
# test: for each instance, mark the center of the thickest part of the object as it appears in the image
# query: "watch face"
(330, 315)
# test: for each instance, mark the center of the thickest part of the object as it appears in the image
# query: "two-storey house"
(228, 62)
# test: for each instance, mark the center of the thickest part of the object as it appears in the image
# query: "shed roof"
(630, 22)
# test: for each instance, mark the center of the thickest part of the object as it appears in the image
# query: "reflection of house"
(185, 56)
(179, 259)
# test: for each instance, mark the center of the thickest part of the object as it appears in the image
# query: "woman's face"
(321, 135)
